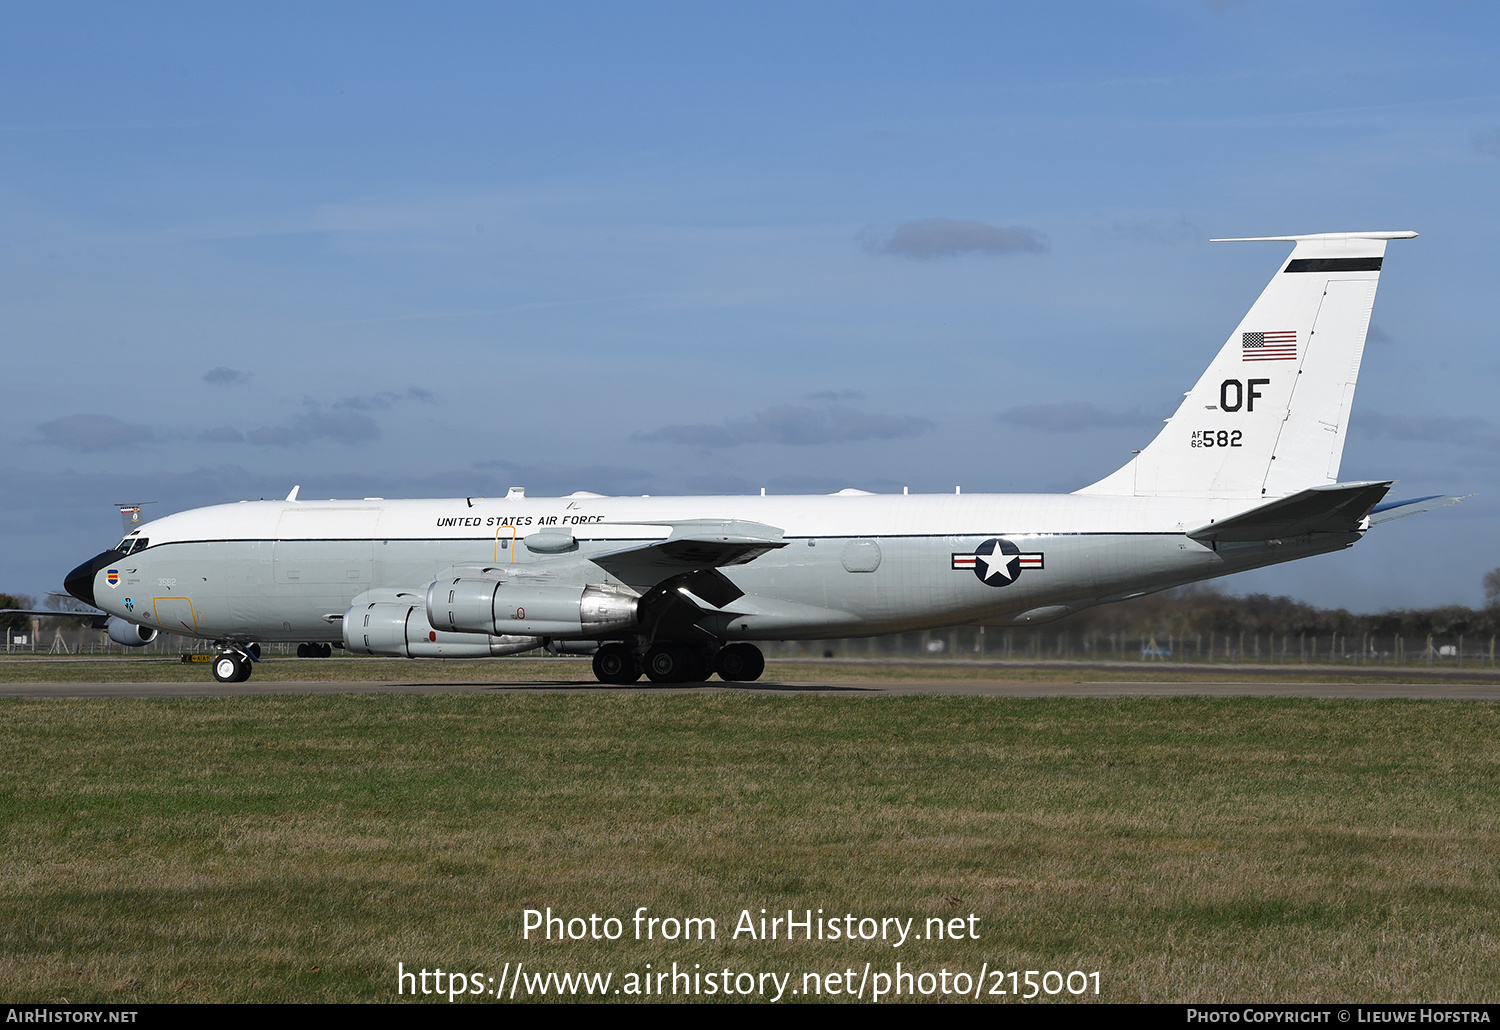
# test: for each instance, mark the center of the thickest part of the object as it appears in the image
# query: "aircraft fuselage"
(852, 565)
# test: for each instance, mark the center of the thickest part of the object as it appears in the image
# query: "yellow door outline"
(498, 530)
(191, 611)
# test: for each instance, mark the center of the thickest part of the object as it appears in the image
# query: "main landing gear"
(739, 662)
(314, 650)
(618, 664)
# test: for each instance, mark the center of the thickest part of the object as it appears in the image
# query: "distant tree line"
(1202, 610)
(15, 622)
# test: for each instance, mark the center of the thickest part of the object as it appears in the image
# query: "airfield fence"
(972, 643)
(978, 643)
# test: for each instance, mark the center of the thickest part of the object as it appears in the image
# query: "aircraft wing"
(679, 577)
(54, 611)
(95, 619)
(695, 544)
(1337, 508)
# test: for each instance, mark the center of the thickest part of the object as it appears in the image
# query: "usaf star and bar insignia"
(997, 562)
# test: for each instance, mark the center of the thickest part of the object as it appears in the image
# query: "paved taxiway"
(1428, 691)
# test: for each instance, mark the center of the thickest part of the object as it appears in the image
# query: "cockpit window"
(133, 543)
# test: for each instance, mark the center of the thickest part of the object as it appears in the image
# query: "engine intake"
(469, 605)
(128, 633)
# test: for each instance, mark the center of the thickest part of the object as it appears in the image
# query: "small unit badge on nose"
(112, 577)
(997, 562)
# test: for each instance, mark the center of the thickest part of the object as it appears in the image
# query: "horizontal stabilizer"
(1400, 509)
(1339, 508)
(1341, 237)
(698, 544)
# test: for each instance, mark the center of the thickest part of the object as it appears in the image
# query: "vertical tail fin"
(1268, 416)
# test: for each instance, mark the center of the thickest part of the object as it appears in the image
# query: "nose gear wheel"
(232, 667)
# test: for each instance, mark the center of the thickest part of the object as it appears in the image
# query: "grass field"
(295, 848)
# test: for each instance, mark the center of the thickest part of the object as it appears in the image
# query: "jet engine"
(394, 628)
(128, 633)
(473, 605)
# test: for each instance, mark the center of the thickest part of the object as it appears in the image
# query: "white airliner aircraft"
(1245, 474)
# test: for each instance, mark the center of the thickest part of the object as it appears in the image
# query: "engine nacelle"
(472, 605)
(401, 629)
(128, 633)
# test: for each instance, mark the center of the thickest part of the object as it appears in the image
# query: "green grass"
(170, 669)
(295, 848)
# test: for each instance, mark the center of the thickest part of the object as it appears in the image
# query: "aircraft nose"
(80, 582)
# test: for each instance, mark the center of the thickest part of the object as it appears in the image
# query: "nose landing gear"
(232, 667)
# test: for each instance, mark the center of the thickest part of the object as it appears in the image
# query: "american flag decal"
(1278, 346)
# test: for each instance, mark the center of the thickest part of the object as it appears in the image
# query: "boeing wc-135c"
(1245, 474)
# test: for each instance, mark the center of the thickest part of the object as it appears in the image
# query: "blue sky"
(656, 248)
